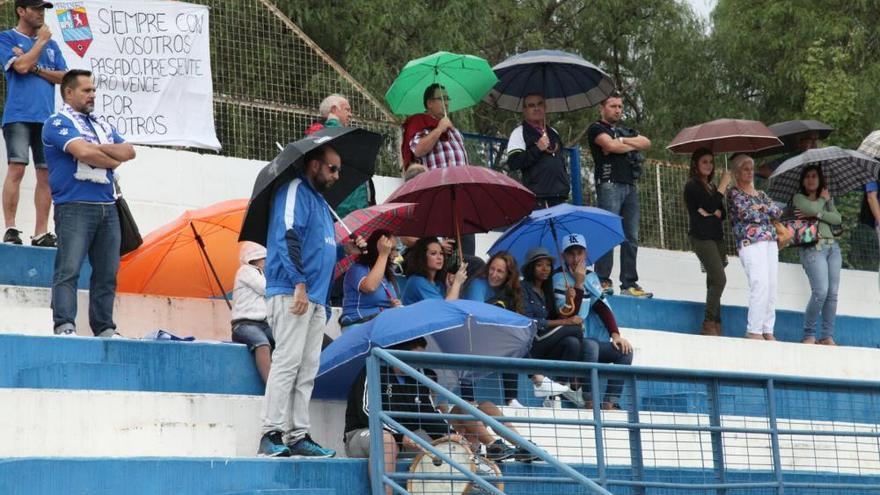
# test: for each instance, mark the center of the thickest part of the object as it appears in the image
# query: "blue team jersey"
(29, 97)
(357, 305)
(58, 132)
(419, 288)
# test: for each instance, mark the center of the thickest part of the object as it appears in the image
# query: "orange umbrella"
(193, 256)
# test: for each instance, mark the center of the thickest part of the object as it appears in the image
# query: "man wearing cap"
(536, 150)
(33, 65)
(595, 312)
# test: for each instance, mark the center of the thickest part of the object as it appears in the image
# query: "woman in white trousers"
(751, 214)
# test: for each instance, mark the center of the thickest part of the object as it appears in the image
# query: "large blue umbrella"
(565, 80)
(453, 327)
(602, 229)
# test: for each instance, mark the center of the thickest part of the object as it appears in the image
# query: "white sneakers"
(548, 388)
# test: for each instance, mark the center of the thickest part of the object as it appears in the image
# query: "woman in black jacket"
(705, 206)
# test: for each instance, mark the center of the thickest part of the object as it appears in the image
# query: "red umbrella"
(388, 216)
(463, 200)
(725, 136)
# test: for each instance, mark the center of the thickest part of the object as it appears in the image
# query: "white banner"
(151, 62)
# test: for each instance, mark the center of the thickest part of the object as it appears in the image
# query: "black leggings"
(563, 343)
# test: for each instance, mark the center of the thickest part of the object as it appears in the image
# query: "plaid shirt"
(446, 153)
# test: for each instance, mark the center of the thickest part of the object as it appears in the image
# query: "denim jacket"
(537, 308)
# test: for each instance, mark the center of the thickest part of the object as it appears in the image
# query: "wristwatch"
(36, 69)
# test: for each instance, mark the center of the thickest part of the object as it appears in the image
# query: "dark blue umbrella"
(602, 229)
(452, 327)
(565, 80)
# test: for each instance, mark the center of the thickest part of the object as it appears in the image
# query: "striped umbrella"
(388, 216)
(871, 145)
(844, 170)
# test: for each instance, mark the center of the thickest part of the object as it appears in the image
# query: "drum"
(460, 452)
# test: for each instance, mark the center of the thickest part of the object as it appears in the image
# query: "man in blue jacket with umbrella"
(301, 253)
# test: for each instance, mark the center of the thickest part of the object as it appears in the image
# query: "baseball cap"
(33, 3)
(573, 240)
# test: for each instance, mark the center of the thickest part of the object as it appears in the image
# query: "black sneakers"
(45, 240)
(12, 236)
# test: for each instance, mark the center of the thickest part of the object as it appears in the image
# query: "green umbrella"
(467, 80)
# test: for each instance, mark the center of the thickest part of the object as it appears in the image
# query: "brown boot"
(708, 328)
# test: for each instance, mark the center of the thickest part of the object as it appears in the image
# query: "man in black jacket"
(536, 150)
(617, 174)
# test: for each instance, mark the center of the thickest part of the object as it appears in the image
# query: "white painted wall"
(203, 425)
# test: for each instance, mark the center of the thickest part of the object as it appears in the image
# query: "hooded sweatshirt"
(249, 293)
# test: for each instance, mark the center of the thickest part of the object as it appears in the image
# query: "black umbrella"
(844, 171)
(358, 149)
(789, 131)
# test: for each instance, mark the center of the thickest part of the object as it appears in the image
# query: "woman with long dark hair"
(705, 207)
(822, 260)
(426, 277)
(370, 286)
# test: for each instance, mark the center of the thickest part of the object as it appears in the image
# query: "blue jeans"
(623, 200)
(823, 270)
(595, 351)
(85, 229)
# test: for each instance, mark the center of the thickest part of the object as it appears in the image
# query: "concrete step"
(76, 423)
(120, 364)
(26, 311)
(169, 475)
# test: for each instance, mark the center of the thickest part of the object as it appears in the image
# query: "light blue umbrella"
(452, 327)
(547, 227)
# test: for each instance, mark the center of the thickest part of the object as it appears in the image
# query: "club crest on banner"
(75, 27)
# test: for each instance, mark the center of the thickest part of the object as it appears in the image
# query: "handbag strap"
(116, 186)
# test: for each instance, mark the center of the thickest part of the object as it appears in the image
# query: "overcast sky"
(702, 7)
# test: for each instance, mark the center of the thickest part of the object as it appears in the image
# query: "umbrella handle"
(569, 301)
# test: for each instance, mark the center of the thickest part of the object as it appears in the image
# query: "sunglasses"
(333, 168)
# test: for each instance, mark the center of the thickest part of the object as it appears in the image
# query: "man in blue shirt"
(301, 252)
(33, 65)
(82, 152)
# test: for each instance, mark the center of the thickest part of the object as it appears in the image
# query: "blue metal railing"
(723, 420)
(492, 151)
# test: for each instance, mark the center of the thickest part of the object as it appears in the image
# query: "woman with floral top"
(752, 213)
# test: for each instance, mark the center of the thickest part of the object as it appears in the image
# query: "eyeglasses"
(537, 104)
(333, 168)
(444, 98)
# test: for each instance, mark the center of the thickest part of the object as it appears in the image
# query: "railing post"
(377, 445)
(597, 417)
(774, 437)
(660, 208)
(636, 454)
(717, 436)
(574, 163)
